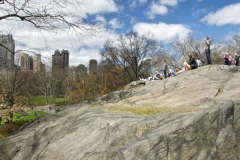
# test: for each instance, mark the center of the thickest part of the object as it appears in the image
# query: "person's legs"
(186, 66)
(226, 61)
(165, 73)
(207, 52)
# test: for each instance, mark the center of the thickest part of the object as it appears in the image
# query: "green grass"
(152, 110)
(41, 101)
(18, 120)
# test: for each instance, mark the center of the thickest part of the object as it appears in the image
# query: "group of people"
(193, 63)
(229, 60)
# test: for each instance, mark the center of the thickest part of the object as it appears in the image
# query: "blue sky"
(164, 19)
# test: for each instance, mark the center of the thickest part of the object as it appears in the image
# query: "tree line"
(124, 60)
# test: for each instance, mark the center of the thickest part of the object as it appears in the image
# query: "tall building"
(25, 62)
(82, 67)
(37, 62)
(93, 66)
(60, 60)
(7, 50)
(29, 63)
(65, 59)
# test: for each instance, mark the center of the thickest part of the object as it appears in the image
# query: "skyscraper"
(37, 62)
(93, 66)
(60, 60)
(28, 63)
(25, 62)
(7, 49)
(82, 68)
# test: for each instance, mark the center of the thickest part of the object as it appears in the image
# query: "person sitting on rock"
(171, 73)
(157, 76)
(227, 58)
(6, 121)
(237, 57)
(191, 64)
(150, 78)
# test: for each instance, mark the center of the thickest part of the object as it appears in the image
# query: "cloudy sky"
(164, 19)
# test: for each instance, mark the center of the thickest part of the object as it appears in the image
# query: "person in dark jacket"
(191, 64)
(165, 68)
(237, 56)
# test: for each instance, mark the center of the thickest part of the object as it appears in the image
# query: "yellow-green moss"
(152, 110)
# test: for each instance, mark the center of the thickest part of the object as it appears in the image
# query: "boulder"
(208, 129)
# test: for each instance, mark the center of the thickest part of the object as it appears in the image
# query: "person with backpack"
(228, 58)
(237, 56)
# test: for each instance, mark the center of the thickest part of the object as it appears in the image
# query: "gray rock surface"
(90, 132)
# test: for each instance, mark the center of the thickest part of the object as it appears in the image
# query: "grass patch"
(18, 120)
(152, 110)
(41, 101)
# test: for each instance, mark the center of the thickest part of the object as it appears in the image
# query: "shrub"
(8, 129)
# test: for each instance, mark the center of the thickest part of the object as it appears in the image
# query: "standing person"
(191, 64)
(207, 50)
(165, 68)
(237, 58)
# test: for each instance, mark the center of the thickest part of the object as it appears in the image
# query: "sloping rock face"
(85, 133)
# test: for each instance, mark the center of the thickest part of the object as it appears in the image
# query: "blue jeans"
(165, 73)
(207, 51)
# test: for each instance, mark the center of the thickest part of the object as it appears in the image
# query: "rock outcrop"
(91, 132)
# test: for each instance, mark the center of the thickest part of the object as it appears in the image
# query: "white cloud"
(98, 6)
(135, 3)
(81, 50)
(101, 19)
(115, 23)
(133, 20)
(86, 56)
(162, 31)
(156, 9)
(197, 13)
(169, 2)
(142, 1)
(226, 15)
(31, 39)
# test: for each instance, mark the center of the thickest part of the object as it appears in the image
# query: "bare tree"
(181, 47)
(132, 52)
(51, 16)
(233, 42)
